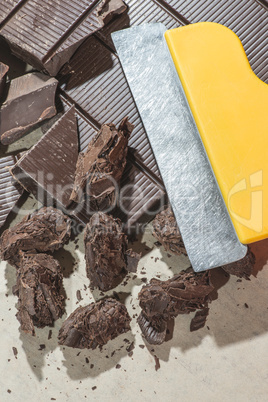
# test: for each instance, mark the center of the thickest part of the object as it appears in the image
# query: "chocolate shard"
(162, 301)
(166, 231)
(100, 168)
(105, 248)
(3, 72)
(133, 259)
(47, 229)
(46, 34)
(94, 325)
(108, 9)
(10, 190)
(38, 287)
(47, 169)
(199, 319)
(155, 335)
(242, 268)
(30, 100)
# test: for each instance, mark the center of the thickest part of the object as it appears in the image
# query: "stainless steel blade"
(201, 214)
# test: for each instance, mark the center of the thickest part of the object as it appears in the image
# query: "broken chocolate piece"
(105, 248)
(242, 268)
(100, 168)
(94, 325)
(38, 287)
(108, 9)
(199, 319)
(47, 169)
(162, 301)
(3, 71)
(30, 100)
(166, 230)
(47, 229)
(10, 191)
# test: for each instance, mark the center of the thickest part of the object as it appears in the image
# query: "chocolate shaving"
(242, 268)
(162, 301)
(108, 9)
(38, 287)
(199, 319)
(106, 252)
(47, 229)
(100, 168)
(94, 325)
(166, 231)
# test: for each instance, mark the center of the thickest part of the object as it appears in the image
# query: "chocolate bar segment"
(46, 34)
(162, 301)
(38, 287)
(47, 229)
(30, 100)
(94, 325)
(10, 191)
(47, 170)
(3, 71)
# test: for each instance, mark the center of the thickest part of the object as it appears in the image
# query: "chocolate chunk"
(47, 169)
(166, 231)
(199, 319)
(242, 268)
(133, 259)
(10, 191)
(105, 248)
(94, 325)
(46, 34)
(108, 9)
(3, 71)
(100, 168)
(30, 100)
(47, 229)
(161, 301)
(38, 287)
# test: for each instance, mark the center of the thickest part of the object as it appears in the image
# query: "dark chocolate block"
(108, 9)
(10, 191)
(161, 301)
(30, 100)
(47, 229)
(242, 268)
(46, 34)
(100, 168)
(47, 170)
(3, 71)
(38, 287)
(106, 252)
(94, 325)
(166, 231)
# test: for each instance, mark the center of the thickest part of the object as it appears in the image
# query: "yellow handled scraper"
(205, 114)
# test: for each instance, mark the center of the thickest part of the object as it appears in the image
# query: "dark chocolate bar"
(38, 287)
(46, 34)
(47, 170)
(94, 325)
(3, 71)
(30, 100)
(10, 190)
(162, 301)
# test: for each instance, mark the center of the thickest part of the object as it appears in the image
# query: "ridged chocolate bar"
(10, 192)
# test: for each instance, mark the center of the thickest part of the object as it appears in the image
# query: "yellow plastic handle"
(230, 107)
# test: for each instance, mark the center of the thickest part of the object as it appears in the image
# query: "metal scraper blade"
(200, 211)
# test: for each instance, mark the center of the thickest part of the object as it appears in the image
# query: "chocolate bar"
(47, 229)
(162, 301)
(38, 287)
(10, 190)
(46, 34)
(106, 253)
(30, 100)
(3, 72)
(47, 170)
(94, 325)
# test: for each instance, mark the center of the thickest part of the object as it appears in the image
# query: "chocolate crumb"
(130, 347)
(78, 295)
(42, 347)
(9, 391)
(15, 351)
(157, 363)
(246, 305)
(92, 366)
(49, 334)
(87, 360)
(93, 388)
(142, 346)
(118, 366)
